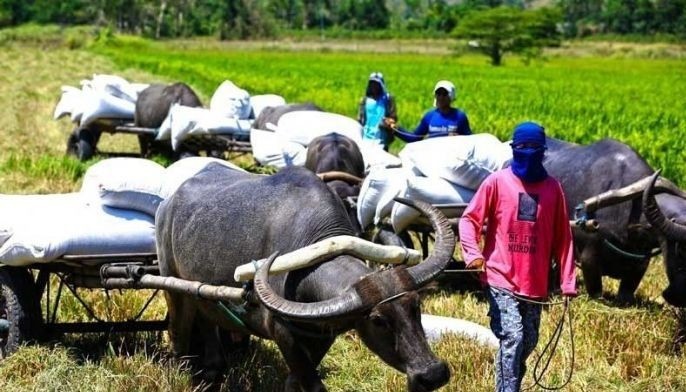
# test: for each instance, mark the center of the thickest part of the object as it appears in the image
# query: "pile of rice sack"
(110, 97)
(445, 170)
(285, 143)
(113, 213)
(232, 111)
(103, 96)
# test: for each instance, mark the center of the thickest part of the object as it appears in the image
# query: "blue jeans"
(515, 323)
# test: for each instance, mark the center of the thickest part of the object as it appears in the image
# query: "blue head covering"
(528, 149)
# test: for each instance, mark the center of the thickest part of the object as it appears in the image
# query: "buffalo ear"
(425, 291)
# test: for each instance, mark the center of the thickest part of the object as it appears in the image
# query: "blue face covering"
(527, 164)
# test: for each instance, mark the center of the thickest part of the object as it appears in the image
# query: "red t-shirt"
(527, 226)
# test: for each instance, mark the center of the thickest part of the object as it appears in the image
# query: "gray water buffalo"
(272, 114)
(152, 107)
(221, 218)
(337, 160)
(632, 225)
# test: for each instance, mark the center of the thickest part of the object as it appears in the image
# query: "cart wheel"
(20, 317)
(81, 144)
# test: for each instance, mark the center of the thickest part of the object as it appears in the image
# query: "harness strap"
(231, 312)
(622, 252)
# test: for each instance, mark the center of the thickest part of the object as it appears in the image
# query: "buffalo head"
(384, 308)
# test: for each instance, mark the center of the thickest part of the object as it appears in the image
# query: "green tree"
(500, 30)
(14, 12)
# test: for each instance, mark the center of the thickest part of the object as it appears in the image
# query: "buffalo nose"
(431, 378)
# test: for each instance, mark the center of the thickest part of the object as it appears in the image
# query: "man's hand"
(389, 123)
(476, 264)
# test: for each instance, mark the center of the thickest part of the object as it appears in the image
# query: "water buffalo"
(272, 114)
(221, 218)
(630, 226)
(338, 161)
(152, 107)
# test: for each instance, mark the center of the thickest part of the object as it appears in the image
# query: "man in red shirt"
(527, 226)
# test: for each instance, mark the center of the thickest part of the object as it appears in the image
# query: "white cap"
(448, 86)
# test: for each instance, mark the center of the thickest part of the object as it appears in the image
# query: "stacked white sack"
(375, 156)
(259, 102)
(230, 100)
(129, 183)
(69, 101)
(375, 200)
(139, 184)
(183, 122)
(116, 86)
(104, 96)
(432, 190)
(303, 126)
(462, 160)
(47, 227)
(271, 149)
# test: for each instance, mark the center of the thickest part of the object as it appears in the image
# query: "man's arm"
(564, 247)
(419, 132)
(472, 222)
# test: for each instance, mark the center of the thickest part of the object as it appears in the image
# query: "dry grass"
(617, 349)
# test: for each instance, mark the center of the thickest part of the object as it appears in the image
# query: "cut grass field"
(616, 348)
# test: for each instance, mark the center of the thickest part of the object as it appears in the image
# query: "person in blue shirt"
(444, 120)
(377, 112)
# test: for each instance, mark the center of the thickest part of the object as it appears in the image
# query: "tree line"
(240, 19)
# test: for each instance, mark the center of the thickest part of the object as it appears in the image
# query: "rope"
(551, 346)
(630, 255)
(232, 317)
(554, 340)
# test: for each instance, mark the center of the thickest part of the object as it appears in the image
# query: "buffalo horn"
(444, 247)
(328, 248)
(632, 191)
(656, 218)
(345, 304)
(340, 176)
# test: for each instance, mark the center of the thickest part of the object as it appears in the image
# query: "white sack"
(164, 130)
(16, 210)
(462, 160)
(102, 105)
(428, 189)
(230, 100)
(437, 326)
(185, 121)
(114, 85)
(66, 225)
(130, 183)
(303, 126)
(69, 101)
(178, 172)
(270, 149)
(374, 155)
(5, 234)
(378, 189)
(259, 102)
